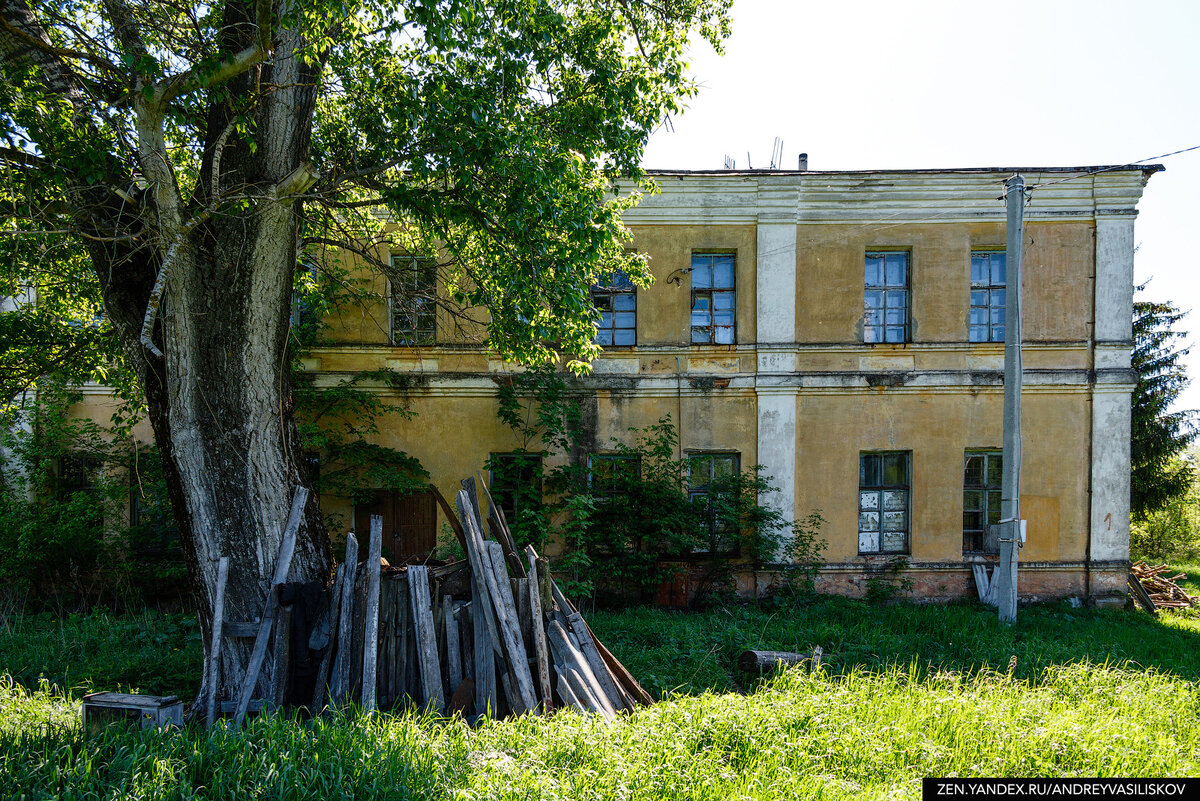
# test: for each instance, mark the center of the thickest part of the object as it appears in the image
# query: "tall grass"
(859, 734)
(689, 652)
(908, 691)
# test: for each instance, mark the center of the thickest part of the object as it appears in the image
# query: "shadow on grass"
(696, 651)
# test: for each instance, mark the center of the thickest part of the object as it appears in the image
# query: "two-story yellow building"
(844, 330)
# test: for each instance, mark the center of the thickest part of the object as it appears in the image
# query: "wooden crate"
(145, 711)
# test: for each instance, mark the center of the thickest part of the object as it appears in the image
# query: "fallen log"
(766, 661)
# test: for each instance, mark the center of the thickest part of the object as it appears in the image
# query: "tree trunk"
(219, 399)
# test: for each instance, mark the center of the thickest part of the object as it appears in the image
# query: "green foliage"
(65, 501)
(628, 522)
(1159, 435)
(888, 582)
(1171, 532)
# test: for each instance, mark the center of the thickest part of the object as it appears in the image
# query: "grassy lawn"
(908, 691)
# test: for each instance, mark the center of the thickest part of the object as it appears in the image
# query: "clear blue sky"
(877, 85)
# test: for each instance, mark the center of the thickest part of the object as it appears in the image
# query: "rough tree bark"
(219, 397)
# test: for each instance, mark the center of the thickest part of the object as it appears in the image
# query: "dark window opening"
(705, 471)
(413, 292)
(610, 473)
(982, 476)
(514, 479)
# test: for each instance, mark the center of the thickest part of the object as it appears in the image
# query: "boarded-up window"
(409, 524)
(883, 502)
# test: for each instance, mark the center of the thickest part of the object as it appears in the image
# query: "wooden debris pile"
(1160, 590)
(492, 634)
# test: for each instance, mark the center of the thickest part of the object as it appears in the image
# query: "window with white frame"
(616, 301)
(883, 502)
(988, 300)
(885, 298)
(412, 294)
(713, 298)
(982, 475)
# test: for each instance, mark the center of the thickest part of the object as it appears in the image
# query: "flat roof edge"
(1145, 169)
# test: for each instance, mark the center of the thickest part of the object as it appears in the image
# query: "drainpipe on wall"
(679, 407)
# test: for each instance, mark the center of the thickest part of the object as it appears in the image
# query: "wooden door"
(409, 524)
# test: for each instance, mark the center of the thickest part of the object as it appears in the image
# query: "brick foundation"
(1100, 583)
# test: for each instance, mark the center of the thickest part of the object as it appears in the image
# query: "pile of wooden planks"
(1160, 590)
(488, 635)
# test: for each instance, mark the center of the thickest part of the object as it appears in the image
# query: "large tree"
(195, 152)
(1160, 433)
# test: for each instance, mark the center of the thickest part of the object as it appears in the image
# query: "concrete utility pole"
(1005, 578)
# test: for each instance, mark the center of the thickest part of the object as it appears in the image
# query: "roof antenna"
(749, 166)
(777, 153)
(730, 164)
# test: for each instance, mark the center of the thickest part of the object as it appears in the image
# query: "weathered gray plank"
(426, 637)
(502, 533)
(371, 632)
(981, 580)
(483, 616)
(340, 687)
(241, 629)
(607, 683)
(510, 630)
(453, 657)
(569, 697)
(283, 564)
(281, 659)
(214, 657)
(568, 658)
(335, 603)
(540, 652)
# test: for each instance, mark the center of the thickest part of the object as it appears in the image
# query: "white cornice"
(883, 198)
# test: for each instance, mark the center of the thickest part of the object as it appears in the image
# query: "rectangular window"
(75, 473)
(304, 319)
(883, 502)
(704, 469)
(412, 291)
(885, 312)
(982, 473)
(616, 301)
(515, 481)
(713, 298)
(988, 269)
(609, 473)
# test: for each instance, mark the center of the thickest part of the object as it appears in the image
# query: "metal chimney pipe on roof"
(803, 162)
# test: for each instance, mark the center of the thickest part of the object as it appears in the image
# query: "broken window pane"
(982, 472)
(885, 299)
(883, 490)
(412, 290)
(615, 292)
(713, 298)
